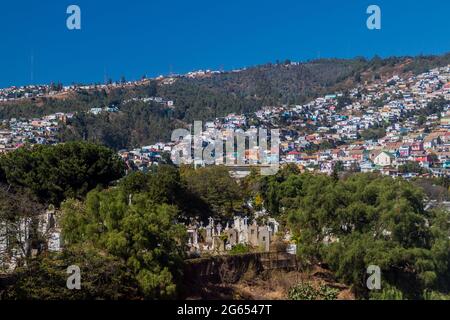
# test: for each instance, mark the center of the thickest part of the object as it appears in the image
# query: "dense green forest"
(136, 124)
(207, 98)
(349, 223)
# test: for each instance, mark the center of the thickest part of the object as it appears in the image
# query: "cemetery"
(217, 239)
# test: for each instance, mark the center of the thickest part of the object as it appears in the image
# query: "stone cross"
(195, 237)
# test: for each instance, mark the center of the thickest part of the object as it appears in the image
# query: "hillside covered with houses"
(399, 127)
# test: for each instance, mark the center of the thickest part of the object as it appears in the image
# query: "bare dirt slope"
(270, 285)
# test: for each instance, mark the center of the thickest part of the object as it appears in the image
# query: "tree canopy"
(139, 232)
(216, 188)
(54, 173)
(363, 220)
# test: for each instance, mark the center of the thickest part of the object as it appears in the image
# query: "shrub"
(239, 249)
(306, 291)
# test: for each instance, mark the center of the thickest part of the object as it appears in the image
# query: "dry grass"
(270, 285)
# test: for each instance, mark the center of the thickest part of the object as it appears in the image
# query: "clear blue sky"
(153, 37)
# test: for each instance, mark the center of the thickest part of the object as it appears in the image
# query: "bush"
(240, 249)
(388, 293)
(433, 295)
(306, 291)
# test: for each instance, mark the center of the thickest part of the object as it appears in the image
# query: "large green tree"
(54, 173)
(138, 230)
(215, 187)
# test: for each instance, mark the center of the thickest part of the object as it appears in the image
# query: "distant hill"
(140, 123)
(284, 83)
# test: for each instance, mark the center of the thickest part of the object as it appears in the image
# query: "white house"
(384, 159)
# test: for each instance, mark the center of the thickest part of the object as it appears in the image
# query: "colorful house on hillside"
(384, 159)
(404, 151)
(293, 156)
(446, 164)
(417, 146)
(367, 166)
(421, 157)
(358, 154)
